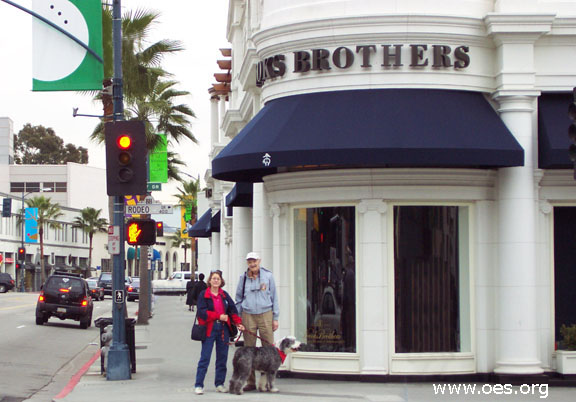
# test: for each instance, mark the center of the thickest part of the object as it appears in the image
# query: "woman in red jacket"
(217, 311)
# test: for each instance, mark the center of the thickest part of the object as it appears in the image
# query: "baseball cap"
(252, 256)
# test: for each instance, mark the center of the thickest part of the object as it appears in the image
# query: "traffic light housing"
(7, 207)
(159, 228)
(126, 155)
(141, 232)
(21, 254)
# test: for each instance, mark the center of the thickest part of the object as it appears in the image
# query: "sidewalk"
(166, 362)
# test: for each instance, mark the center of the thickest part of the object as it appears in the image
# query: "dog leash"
(259, 337)
(280, 352)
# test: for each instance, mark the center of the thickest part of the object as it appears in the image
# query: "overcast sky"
(200, 25)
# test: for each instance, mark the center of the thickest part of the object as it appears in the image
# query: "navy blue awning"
(369, 128)
(214, 225)
(553, 123)
(240, 196)
(200, 228)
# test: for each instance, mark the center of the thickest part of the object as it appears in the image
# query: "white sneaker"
(198, 390)
(222, 388)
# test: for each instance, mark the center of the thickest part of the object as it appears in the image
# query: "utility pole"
(118, 367)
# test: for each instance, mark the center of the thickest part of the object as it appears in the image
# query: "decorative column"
(221, 115)
(372, 288)
(262, 224)
(517, 339)
(214, 128)
(241, 242)
(281, 264)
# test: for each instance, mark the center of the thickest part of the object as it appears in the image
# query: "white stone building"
(412, 190)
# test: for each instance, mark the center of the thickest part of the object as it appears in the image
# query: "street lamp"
(23, 262)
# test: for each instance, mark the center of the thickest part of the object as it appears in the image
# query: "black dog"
(265, 359)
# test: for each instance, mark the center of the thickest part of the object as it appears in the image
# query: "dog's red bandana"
(282, 355)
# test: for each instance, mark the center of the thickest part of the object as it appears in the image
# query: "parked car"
(133, 289)
(175, 284)
(105, 282)
(96, 291)
(66, 296)
(6, 282)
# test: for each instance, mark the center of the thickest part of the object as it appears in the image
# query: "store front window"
(431, 279)
(564, 272)
(324, 267)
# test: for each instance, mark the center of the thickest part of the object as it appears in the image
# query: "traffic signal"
(159, 229)
(572, 131)
(7, 207)
(141, 232)
(21, 254)
(126, 156)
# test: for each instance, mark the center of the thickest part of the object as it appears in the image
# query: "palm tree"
(187, 197)
(177, 241)
(48, 212)
(142, 75)
(141, 64)
(90, 223)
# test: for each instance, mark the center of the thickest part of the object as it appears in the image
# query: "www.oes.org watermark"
(540, 390)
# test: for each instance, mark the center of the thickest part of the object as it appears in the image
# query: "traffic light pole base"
(118, 367)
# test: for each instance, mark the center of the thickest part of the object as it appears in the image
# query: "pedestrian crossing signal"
(141, 232)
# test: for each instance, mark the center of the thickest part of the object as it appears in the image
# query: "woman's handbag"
(233, 330)
(198, 330)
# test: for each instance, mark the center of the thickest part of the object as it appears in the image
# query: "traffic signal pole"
(118, 367)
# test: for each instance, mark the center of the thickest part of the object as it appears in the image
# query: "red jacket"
(207, 315)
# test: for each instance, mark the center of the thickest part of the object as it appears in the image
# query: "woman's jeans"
(220, 335)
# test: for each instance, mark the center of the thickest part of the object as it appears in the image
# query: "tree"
(176, 240)
(90, 223)
(48, 213)
(187, 197)
(142, 70)
(38, 145)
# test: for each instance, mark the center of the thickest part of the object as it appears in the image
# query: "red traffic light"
(159, 228)
(124, 142)
(21, 254)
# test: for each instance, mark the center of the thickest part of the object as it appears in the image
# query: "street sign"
(158, 161)
(154, 186)
(114, 239)
(147, 209)
(118, 296)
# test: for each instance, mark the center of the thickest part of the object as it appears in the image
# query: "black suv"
(66, 296)
(6, 282)
(105, 282)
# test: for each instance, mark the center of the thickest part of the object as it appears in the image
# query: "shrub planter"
(566, 362)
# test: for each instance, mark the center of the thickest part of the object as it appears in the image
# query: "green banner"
(59, 62)
(159, 162)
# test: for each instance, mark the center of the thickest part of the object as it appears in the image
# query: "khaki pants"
(260, 324)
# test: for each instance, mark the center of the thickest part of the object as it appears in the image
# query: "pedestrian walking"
(217, 311)
(257, 303)
(193, 289)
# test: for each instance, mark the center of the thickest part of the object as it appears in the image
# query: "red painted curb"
(76, 377)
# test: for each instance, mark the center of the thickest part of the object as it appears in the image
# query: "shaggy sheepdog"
(266, 359)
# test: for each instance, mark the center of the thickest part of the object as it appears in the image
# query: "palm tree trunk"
(42, 272)
(90, 236)
(143, 301)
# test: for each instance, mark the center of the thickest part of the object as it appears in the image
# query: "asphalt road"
(31, 355)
